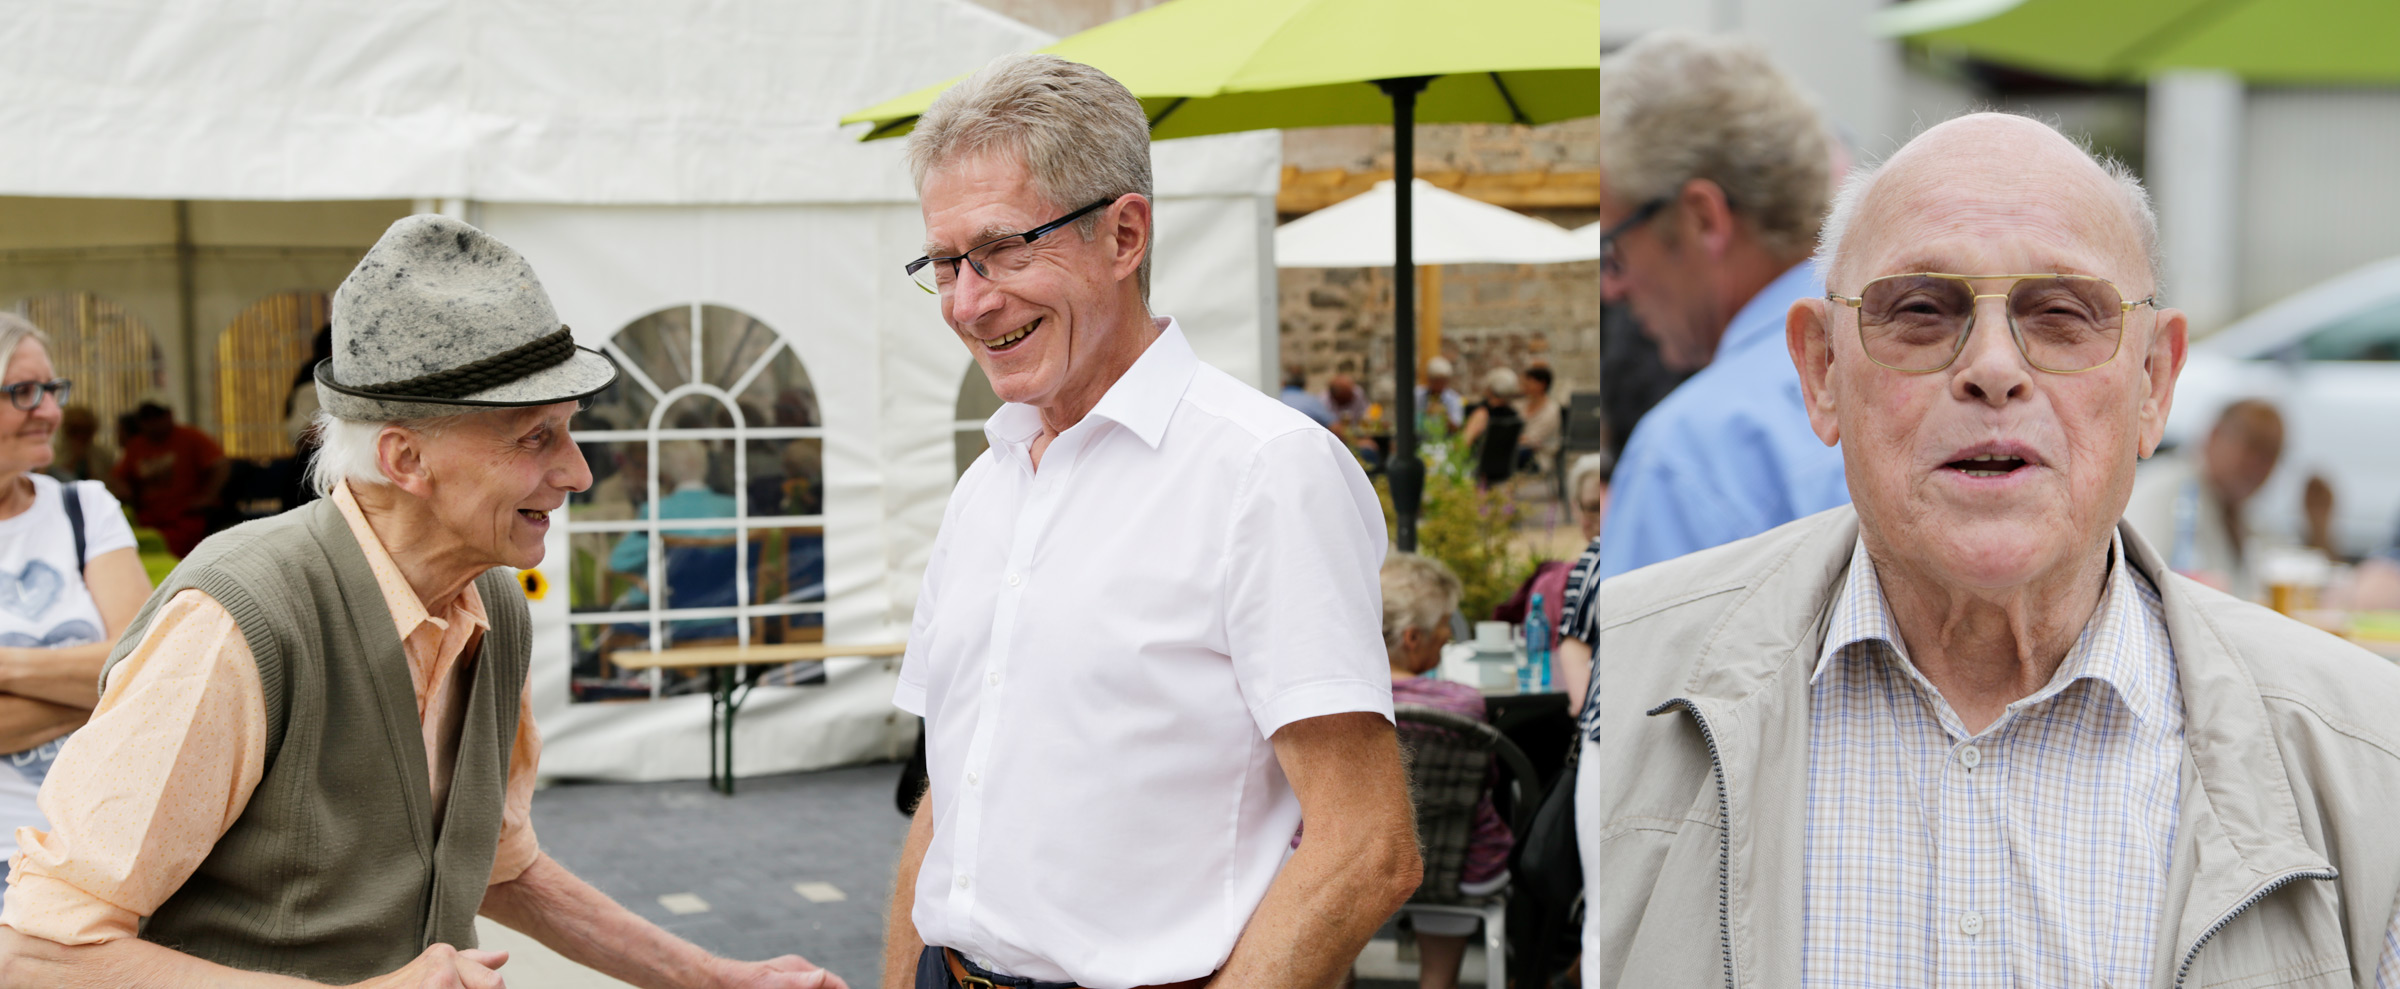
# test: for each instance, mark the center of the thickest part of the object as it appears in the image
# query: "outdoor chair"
(1449, 759)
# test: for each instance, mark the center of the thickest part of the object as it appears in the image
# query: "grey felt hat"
(440, 318)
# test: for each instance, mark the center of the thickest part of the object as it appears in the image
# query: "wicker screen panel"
(107, 351)
(257, 357)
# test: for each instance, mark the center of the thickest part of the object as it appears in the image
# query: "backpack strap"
(74, 519)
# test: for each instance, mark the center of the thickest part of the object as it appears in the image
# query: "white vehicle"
(2329, 358)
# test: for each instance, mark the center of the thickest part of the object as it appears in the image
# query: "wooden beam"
(1306, 190)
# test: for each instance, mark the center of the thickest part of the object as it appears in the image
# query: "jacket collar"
(2239, 827)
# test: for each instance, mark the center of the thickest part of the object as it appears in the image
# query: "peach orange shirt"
(178, 742)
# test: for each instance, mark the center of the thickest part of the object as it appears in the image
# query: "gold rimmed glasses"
(1918, 322)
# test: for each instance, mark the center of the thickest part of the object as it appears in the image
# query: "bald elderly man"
(1972, 731)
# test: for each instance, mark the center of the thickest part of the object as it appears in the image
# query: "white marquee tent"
(178, 166)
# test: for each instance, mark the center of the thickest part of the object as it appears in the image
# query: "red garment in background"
(166, 479)
(1550, 581)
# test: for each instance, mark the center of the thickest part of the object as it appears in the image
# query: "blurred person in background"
(1538, 445)
(79, 455)
(175, 475)
(1976, 732)
(1419, 593)
(1578, 622)
(1714, 177)
(62, 610)
(2191, 503)
(1296, 394)
(1493, 426)
(1633, 380)
(1348, 401)
(299, 420)
(1437, 384)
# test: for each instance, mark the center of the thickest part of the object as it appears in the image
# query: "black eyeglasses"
(27, 395)
(994, 259)
(1609, 260)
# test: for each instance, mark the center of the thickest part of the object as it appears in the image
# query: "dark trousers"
(933, 972)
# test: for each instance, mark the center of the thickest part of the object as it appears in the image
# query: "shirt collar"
(408, 611)
(1761, 319)
(1143, 400)
(2112, 648)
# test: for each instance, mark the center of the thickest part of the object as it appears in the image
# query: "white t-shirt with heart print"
(43, 604)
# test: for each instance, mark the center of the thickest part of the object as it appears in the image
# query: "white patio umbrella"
(1589, 233)
(1450, 229)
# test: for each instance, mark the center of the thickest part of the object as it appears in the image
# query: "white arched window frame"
(741, 433)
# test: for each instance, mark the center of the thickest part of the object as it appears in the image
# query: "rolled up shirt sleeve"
(1303, 602)
(141, 794)
(518, 847)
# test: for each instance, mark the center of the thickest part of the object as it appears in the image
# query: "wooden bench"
(723, 699)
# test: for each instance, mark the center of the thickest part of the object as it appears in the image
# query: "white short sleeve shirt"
(1102, 650)
(44, 605)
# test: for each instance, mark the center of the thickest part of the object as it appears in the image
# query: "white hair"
(1418, 592)
(1678, 106)
(346, 448)
(2133, 196)
(1080, 134)
(1587, 468)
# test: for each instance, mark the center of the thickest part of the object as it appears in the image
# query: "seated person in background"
(1537, 446)
(1496, 417)
(1578, 627)
(1419, 593)
(175, 474)
(683, 494)
(1437, 385)
(1297, 395)
(1347, 400)
(2189, 503)
(79, 457)
(2378, 580)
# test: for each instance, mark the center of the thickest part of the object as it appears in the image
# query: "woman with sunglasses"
(59, 612)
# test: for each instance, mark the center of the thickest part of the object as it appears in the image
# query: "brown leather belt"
(958, 971)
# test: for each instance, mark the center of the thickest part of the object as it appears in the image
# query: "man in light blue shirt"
(1715, 171)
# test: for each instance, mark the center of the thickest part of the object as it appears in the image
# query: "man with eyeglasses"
(1976, 732)
(1149, 637)
(1714, 172)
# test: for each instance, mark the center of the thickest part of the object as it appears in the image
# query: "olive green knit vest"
(335, 870)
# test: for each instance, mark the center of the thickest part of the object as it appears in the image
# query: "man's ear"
(1807, 334)
(2162, 363)
(401, 455)
(1129, 228)
(1706, 216)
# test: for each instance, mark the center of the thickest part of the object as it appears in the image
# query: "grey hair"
(1080, 134)
(1589, 467)
(1678, 106)
(1418, 592)
(14, 331)
(346, 448)
(1861, 180)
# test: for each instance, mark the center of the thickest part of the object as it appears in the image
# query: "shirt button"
(973, 779)
(1970, 757)
(1012, 580)
(1969, 925)
(962, 882)
(992, 678)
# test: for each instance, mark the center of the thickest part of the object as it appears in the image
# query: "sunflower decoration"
(536, 585)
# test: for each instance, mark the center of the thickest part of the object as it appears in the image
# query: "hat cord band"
(502, 368)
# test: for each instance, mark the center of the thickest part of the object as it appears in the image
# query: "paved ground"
(735, 866)
(800, 863)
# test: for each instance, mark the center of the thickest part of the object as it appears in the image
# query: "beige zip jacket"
(2287, 851)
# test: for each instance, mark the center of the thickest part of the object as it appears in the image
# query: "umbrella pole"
(1404, 470)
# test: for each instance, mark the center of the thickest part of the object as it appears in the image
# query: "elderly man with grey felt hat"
(313, 759)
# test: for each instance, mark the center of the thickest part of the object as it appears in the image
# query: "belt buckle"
(971, 979)
(958, 970)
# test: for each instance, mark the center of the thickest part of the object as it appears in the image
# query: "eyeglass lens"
(2061, 322)
(25, 395)
(993, 262)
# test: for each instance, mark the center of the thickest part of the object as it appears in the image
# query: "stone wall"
(1339, 320)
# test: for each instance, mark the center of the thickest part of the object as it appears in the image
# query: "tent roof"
(535, 101)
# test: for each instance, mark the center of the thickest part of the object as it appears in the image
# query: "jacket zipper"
(1724, 835)
(2185, 970)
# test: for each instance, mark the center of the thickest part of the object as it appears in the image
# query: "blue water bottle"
(1535, 674)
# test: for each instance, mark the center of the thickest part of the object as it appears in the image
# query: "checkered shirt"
(2034, 853)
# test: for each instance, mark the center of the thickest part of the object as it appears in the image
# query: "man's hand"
(445, 967)
(787, 972)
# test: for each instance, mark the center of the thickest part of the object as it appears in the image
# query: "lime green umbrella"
(2267, 41)
(1217, 66)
